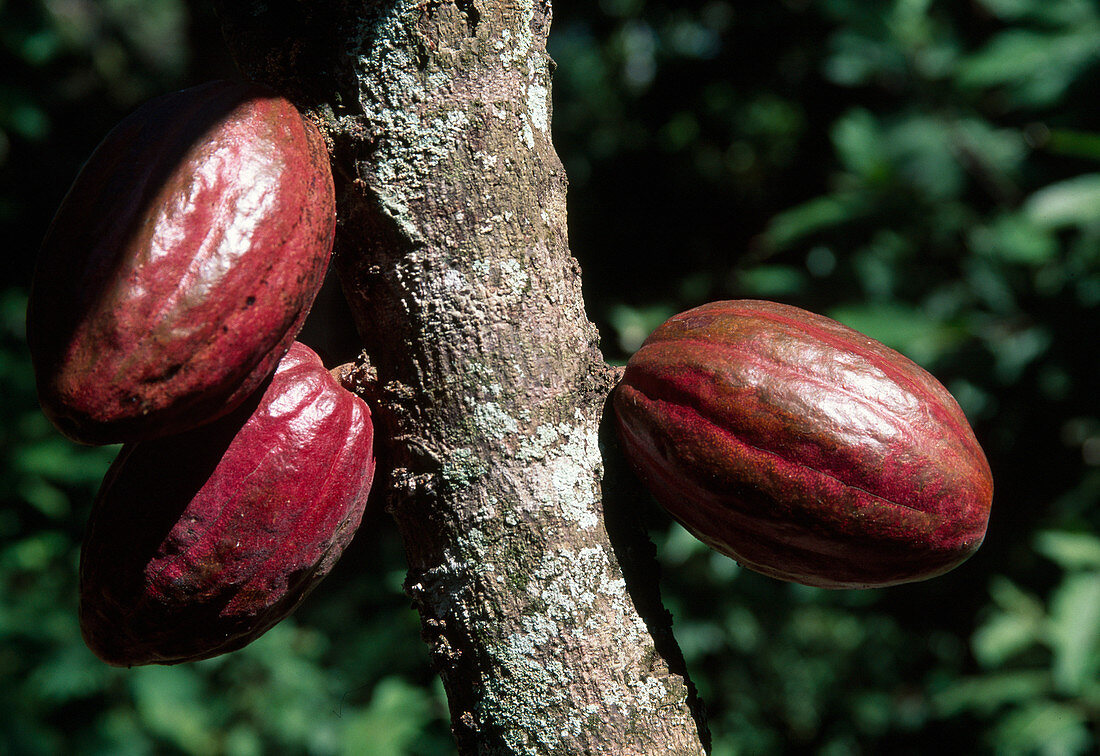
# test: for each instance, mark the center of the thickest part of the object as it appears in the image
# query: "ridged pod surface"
(802, 448)
(199, 543)
(181, 263)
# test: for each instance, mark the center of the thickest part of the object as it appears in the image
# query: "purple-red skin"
(802, 448)
(181, 264)
(199, 543)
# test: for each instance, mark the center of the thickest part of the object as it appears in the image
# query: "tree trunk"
(538, 599)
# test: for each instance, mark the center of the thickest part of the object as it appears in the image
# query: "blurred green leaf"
(771, 281)
(13, 312)
(1072, 551)
(924, 151)
(1005, 636)
(679, 545)
(59, 460)
(911, 23)
(1075, 631)
(773, 124)
(633, 324)
(1073, 202)
(991, 692)
(173, 703)
(692, 39)
(46, 498)
(1035, 68)
(1072, 142)
(70, 673)
(1043, 727)
(35, 553)
(1051, 12)
(391, 723)
(1011, 598)
(814, 216)
(988, 281)
(742, 629)
(1015, 239)
(120, 732)
(26, 120)
(243, 741)
(913, 332)
(859, 145)
(997, 153)
(855, 60)
(621, 8)
(698, 639)
(680, 131)
(40, 47)
(1018, 624)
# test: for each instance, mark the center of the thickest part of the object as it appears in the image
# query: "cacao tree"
(537, 596)
(905, 168)
(783, 439)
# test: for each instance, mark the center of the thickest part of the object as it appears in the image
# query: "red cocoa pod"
(181, 263)
(199, 543)
(802, 448)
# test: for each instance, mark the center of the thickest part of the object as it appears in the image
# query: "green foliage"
(1041, 685)
(927, 172)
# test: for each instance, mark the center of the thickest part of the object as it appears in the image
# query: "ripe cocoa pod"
(802, 448)
(181, 263)
(199, 543)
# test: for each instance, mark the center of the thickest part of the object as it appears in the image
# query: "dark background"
(927, 172)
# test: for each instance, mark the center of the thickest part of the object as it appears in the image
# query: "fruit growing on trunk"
(199, 543)
(802, 448)
(181, 263)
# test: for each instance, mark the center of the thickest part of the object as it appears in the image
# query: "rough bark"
(537, 598)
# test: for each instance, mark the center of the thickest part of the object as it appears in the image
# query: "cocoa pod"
(181, 263)
(802, 448)
(199, 543)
